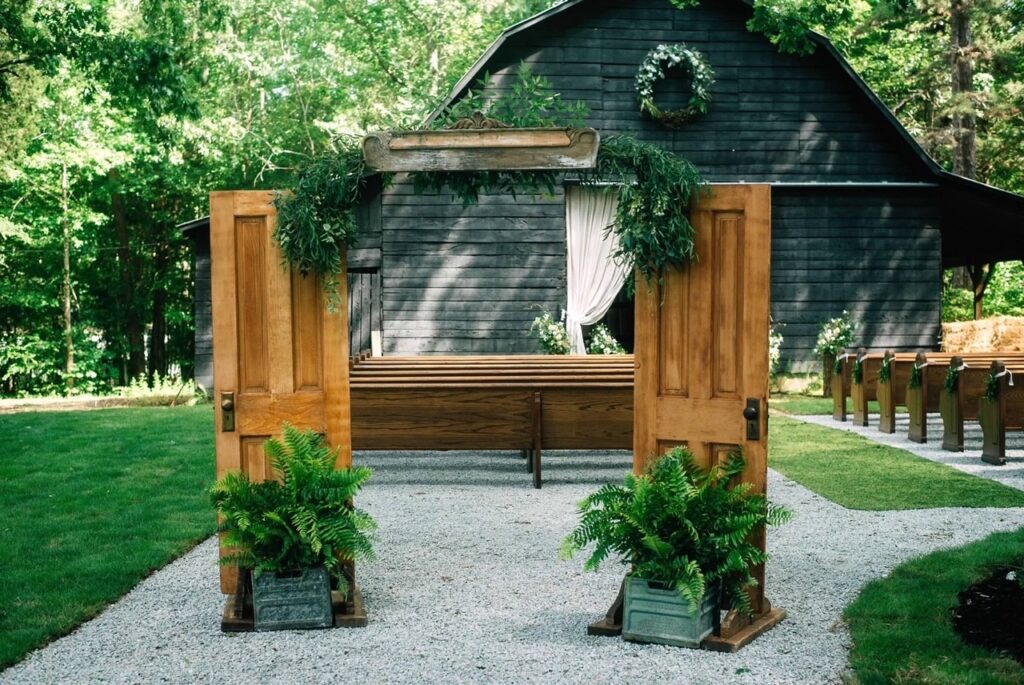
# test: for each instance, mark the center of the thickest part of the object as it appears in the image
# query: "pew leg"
(538, 415)
(993, 429)
(529, 460)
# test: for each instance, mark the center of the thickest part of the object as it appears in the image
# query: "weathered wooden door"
(702, 341)
(279, 355)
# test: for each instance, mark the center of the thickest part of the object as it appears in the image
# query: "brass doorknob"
(227, 404)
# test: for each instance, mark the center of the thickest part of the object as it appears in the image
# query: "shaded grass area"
(902, 625)
(860, 474)
(803, 405)
(93, 502)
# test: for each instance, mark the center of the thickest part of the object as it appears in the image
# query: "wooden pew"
(1003, 412)
(841, 380)
(868, 367)
(961, 399)
(926, 395)
(522, 402)
(891, 391)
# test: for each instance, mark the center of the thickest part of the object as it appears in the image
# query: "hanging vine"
(318, 219)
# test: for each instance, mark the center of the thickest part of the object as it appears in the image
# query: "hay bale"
(1000, 333)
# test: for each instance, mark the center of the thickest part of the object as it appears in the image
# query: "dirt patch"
(990, 613)
(1000, 333)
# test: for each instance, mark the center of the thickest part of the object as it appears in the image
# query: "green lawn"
(816, 404)
(901, 625)
(859, 474)
(93, 502)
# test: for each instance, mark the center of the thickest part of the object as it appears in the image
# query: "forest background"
(118, 117)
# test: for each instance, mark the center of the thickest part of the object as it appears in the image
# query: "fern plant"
(304, 519)
(681, 526)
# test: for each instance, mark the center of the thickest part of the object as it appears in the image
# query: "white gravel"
(969, 461)
(468, 589)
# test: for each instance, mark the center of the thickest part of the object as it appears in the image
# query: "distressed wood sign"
(479, 149)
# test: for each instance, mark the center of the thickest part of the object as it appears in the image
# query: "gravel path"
(468, 590)
(1012, 473)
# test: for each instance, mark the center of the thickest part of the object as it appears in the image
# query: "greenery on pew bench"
(992, 386)
(858, 371)
(916, 376)
(885, 374)
(952, 378)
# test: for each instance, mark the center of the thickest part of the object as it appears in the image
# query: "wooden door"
(702, 341)
(279, 355)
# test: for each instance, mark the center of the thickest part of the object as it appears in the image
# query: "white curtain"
(593, 277)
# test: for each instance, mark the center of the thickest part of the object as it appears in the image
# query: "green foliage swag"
(318, 219)
(992, 386)
(305, 519)
(885, 374)
(858, 371)
(952, 378)
(916, 376)
(681, 526)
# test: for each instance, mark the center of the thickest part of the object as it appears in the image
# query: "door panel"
(276, 347)
(702, 340)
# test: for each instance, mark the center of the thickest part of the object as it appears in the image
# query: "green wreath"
(652, 69)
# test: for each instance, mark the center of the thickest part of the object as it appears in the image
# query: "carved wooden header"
(485, 146)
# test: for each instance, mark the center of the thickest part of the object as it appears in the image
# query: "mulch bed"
(990, 613)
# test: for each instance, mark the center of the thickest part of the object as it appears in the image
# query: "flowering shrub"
(603, 342)
(836, 334)
(774, 350)
(553, 337)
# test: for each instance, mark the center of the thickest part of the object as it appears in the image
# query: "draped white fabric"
(593, 277)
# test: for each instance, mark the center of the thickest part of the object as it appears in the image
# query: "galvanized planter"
(292, 602)
(653, 614)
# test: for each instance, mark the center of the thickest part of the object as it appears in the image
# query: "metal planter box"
(294, 601)
(661, 616)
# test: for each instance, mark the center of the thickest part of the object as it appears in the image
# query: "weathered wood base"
(744, 636)
(735, 633)
(239, 618)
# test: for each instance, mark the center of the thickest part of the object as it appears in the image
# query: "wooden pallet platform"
(735, 632)
(238, 612)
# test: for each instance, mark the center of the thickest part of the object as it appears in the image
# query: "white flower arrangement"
(836, 335)
(603, 342)
(774, 350)
(652, 70)
(552, 335)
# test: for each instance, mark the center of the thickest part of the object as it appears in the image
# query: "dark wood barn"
(863, 219)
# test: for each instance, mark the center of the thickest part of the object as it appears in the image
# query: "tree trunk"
(133, 321)
(158, 334)
(965, 124)
(964, 120)
(69, 338)
(981, 276)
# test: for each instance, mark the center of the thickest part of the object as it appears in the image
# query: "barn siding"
(470, 279)
(202, 305)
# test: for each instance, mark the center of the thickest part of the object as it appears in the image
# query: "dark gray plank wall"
(202, 309)
(464, 279)
(872, 253)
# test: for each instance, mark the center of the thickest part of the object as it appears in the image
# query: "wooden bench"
(847, 386)
(524, 403)
(961, 399)
(891, 390)
(1003, 412)
(926, 395)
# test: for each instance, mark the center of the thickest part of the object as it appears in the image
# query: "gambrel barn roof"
(981, 223)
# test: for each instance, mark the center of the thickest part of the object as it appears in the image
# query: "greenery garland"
(885, 374)
(858, 371)
(952, 379)
(652, 70)
(837, 368)
(992, 387)
(916, 376)
(318, 219)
